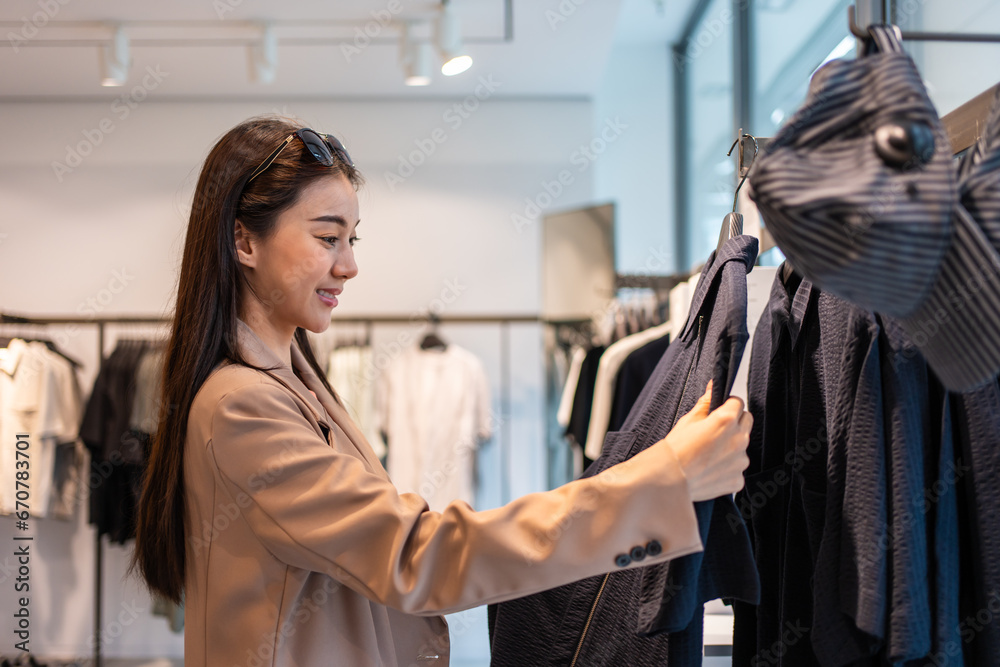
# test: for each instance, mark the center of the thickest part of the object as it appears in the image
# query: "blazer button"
(637, 553)
(622, 560)
(654, 548)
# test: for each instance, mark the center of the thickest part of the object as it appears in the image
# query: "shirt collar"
(743, 249)
(788, 310)
(12, 357)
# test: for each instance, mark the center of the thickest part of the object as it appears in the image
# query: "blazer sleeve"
(318, 508)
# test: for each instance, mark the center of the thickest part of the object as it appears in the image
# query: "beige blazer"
(300, 551)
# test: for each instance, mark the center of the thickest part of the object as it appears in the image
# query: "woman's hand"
(711, 447)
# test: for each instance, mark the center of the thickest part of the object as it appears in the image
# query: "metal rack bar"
(919, 36)
(505, 401)
(98, 543)
(421, 318)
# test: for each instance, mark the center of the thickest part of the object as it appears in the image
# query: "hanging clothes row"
(40, 403)
(434, 407)
(872, 493)
(119, 419)
(425, 411)
(654, 616)
(863, 467)
(598, 385)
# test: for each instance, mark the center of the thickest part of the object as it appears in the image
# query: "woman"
(265, 506)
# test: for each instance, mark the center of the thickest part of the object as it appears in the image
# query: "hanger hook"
(852, 24)
(739, 140)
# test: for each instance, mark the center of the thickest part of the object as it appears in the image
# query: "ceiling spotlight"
(264, 56)
(456, 65)
(449, 42)
(115, 59)
(416, 58)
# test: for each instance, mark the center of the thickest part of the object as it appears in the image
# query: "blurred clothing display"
(351, 373)
(434, 406)
(40, 405)
(118, 422)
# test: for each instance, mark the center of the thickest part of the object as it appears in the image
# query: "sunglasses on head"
(323, 147)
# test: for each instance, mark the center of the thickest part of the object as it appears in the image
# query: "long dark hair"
(203, 332)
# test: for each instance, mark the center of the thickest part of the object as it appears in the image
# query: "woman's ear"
(244, 246)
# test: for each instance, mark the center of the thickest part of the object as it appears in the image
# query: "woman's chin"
(318, 325)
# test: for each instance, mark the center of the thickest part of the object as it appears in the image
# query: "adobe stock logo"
(121, 108)
(582, 158)
(30, 26)
(454, 116)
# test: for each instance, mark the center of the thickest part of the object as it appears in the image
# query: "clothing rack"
(369, 322)
(100, 323)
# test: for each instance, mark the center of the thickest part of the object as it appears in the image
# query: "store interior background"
(102, 235)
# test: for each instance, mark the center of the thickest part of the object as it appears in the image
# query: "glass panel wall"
(709, 82)
(954, 72)
(790, 40)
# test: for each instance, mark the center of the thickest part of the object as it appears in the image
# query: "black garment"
(977, 430)
(653, 616)
(117, 452)
(977, 478)
(583, 400)
(899, 548)
(635, 371)
(795, 360)
(908, 440)
(855, 535)
(105, 428)
(849, 592)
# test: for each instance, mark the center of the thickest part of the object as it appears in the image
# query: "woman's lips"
(328, 297)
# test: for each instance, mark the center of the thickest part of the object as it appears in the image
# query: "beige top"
(301, 552)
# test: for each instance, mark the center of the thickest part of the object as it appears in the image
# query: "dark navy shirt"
(653, 616)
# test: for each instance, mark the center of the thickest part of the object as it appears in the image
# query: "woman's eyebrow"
(336, 219)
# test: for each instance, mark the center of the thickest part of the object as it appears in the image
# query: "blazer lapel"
(321, 403)
(334, 409)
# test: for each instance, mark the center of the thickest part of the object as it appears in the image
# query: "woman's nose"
(345, 267)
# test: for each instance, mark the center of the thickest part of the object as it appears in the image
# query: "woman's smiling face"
(298, 270)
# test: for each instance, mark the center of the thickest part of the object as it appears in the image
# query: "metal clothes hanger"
(432, 340)
(732, 224)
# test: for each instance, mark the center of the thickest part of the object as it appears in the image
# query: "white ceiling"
(558, 47)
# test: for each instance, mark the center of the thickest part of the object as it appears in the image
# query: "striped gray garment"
(958, 327)
(860, 191)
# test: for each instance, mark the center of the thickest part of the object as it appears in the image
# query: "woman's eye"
(332, 240)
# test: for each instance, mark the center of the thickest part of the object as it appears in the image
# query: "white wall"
(106, 236)
(637, 170)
